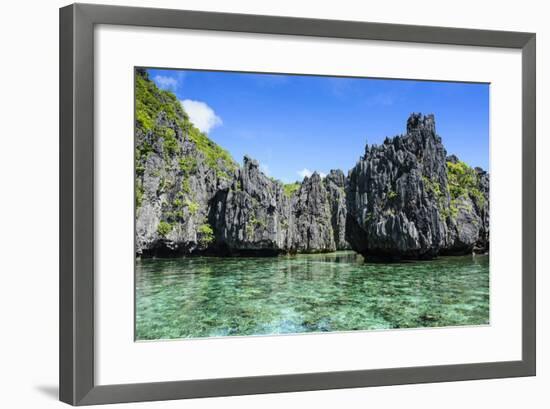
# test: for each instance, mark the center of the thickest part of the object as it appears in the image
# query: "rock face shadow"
(51, 391)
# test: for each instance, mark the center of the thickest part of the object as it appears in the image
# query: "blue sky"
(296, 124)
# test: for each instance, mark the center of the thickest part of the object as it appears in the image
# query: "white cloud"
(202, 116)
(166, 82)
(306, 172)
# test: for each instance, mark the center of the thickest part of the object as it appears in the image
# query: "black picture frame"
(76, 274)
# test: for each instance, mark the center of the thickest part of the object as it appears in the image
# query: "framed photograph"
(254, 204)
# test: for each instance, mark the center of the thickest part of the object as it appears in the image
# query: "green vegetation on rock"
(291, 188)
(185, 187)
(463, 182)
(257, 222)
(140, 169)
(216, 157)
(164, 228)
(168, 135)
(139, 195)
(143, 150)
(192, 206)
(188, 164)
(434, 188)
(151, 102)
(206, 234)
(239, 186)
(221, 174)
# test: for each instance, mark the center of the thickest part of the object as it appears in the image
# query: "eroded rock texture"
(252, 215)
(406, 199)
(335, 183)
(255, 215)
(178, 173)
(403, 199)
(311, 211)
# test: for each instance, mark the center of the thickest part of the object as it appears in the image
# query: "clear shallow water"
(208, 296)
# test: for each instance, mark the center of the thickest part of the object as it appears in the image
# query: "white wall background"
(29, 200)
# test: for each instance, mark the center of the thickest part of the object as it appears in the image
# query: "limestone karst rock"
(255, 216)
(406, 199)
(403, 199)
(178, 172)
(252, 215)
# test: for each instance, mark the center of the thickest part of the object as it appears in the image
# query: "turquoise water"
(207, 296)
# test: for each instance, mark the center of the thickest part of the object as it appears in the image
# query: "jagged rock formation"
(405, 200)
(192, 198)
(311, 207)
(482, 206)
(252, 215)
(256, 216)
(335, 184)
(469, 221)
(178, 172)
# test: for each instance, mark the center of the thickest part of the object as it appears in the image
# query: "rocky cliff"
(178, 172)
(335, 184)
(403, 199)
(407, 199)
(192, 198)
(252, 215)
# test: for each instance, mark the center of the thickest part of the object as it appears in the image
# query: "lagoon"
(196, 297)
